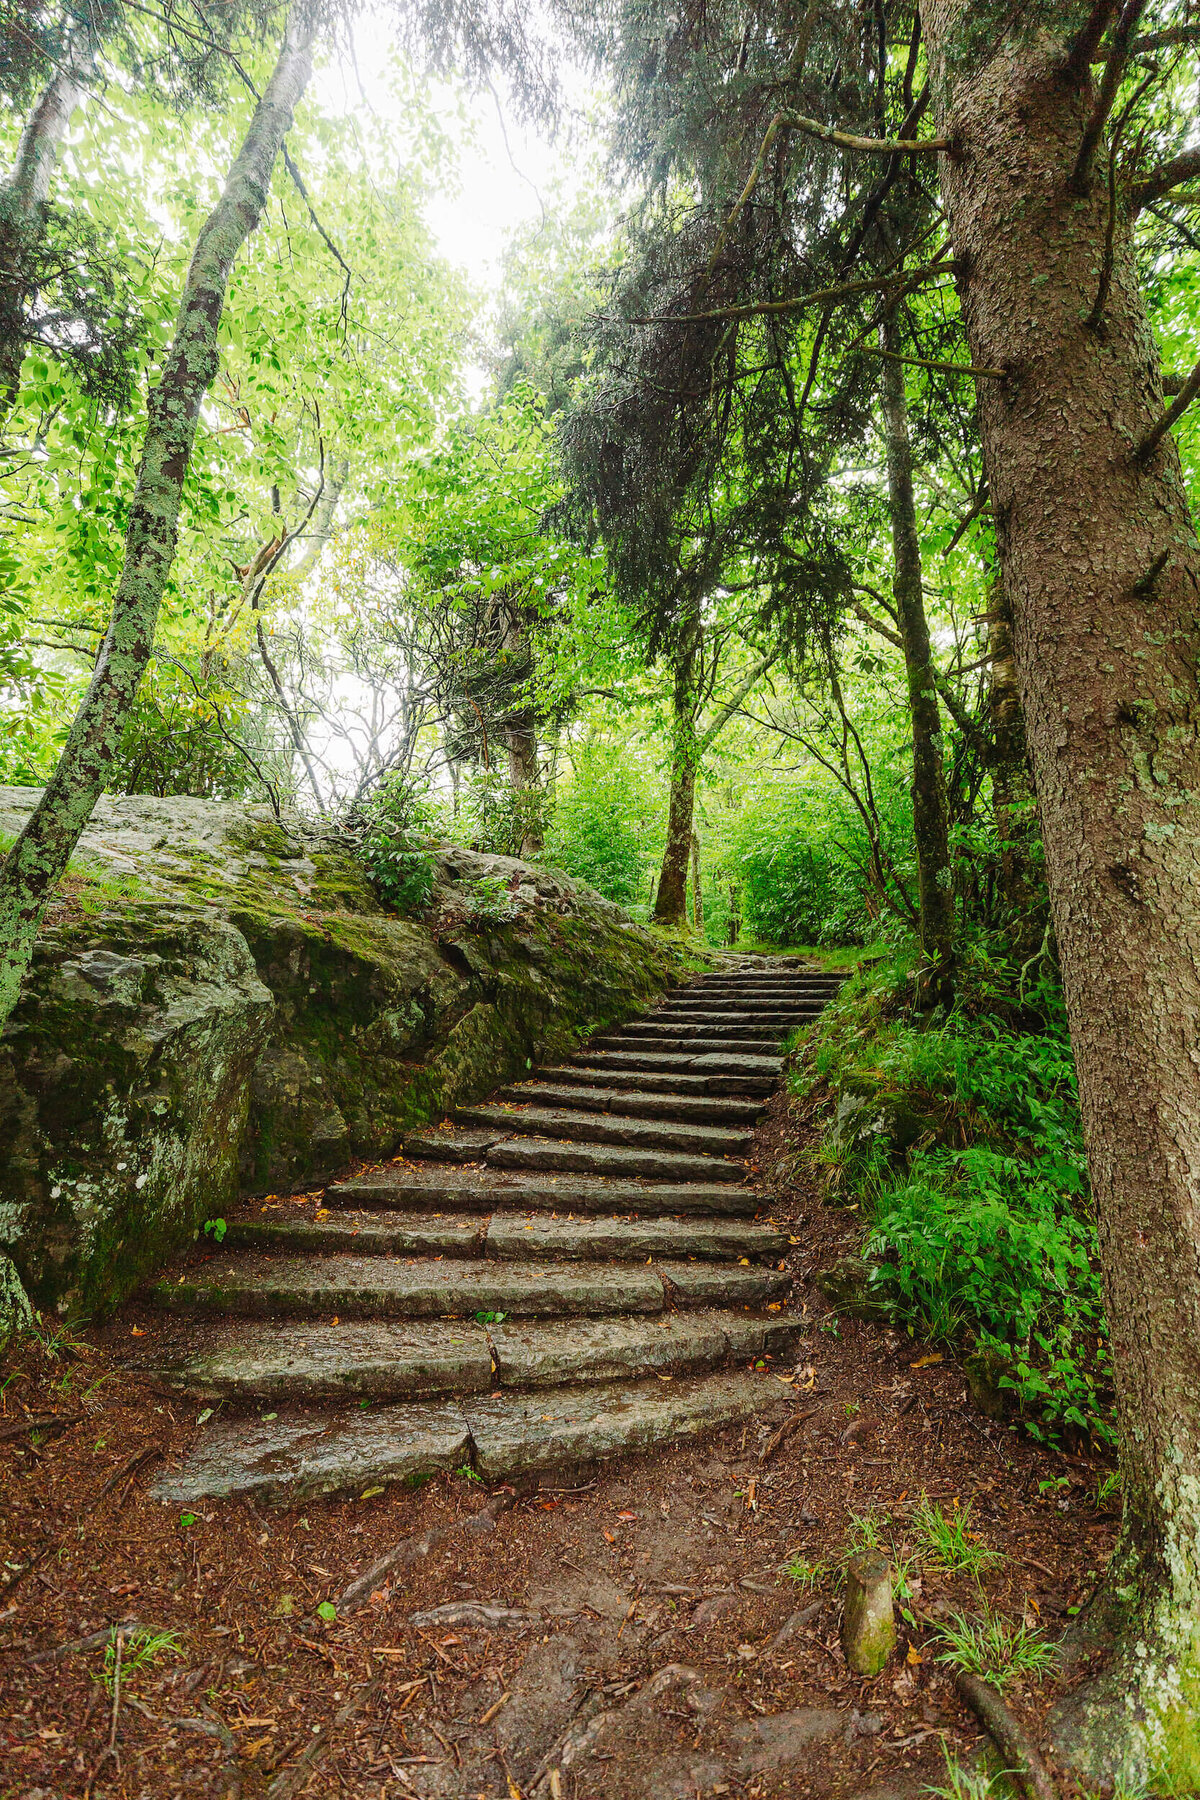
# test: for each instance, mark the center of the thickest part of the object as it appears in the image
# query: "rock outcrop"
(219, 1003)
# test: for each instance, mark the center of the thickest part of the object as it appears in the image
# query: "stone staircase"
(573, 1269)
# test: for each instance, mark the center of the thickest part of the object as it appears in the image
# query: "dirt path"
(649, 1644)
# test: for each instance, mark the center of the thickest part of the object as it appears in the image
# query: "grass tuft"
(995, 1648)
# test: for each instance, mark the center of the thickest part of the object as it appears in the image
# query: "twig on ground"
(91, 1642)
(41, 1422)
(785, 1430)
(128, 1466)
(1015, 1746)
(415, 1549)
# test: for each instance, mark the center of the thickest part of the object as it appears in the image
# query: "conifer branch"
(845, 140)
(1110, 81)
(818, 297)
(1168, 175)
(1175, 411)
(946, 368)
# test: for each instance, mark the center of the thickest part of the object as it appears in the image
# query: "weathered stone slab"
(658, 1025)
(603, 1159)
(523, 1235)
(444, 1145)
(376, 1359)
(762, 1334)
(699, 1109)
(606, 1128)
(561, 1426)
(557, 1192)
(377, 1234)
(739, 1065)
(350, 1287)
(717, 1284)
(300, 1455)
(682, 1044)
(608, 1350)
(594, 1070)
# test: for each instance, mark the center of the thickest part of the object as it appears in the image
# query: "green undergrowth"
(959, 1137)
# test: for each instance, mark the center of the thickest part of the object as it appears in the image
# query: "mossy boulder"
(220, 1004)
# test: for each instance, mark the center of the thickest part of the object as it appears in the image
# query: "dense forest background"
(671, 561)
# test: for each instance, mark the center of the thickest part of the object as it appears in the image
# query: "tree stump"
(868, 1619)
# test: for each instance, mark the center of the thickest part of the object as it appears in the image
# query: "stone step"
(584, 1127)
(710, 1008)
(606, 1159)
(694, 1060)
(372, 1287)
(767, 1032)
(755, 1087)
(383, 1359)
(522, 1235)
(685, 1043)
(508, 1233)
(300, 1455)
(470, 1189)
(367, 1233)
(630, 1103)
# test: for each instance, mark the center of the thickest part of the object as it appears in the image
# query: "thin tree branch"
(1110, 81)
(817, 297)
(1168, 175)
(1083, 50)
(846, 140)
(1176, 410)
(945, 368)
(982, 500)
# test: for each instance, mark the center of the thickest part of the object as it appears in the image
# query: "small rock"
(868, 1618)
(849, 1289)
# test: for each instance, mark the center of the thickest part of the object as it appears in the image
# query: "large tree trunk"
(931, 829)
(1012, 789)
(670, 905)
(23, 203)
(38, 858)
(1105, 637)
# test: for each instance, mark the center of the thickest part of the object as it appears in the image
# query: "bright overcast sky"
(499, 181)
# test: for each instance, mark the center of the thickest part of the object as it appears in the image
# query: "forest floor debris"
(669, 1627)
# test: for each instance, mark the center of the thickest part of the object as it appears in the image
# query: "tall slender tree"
(32, 868)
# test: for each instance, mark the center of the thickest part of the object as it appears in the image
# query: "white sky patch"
(506, 170)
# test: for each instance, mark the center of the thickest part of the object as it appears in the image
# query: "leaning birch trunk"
(37, 860)
(1101, 568)
(23, 203)
(931, 826)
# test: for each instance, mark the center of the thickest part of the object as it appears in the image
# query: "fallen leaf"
(925, 1362)
(137, 1332)
(914, 1655)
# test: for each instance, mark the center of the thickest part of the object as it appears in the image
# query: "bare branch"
(1083, 50)
(817, 297)
(980, 505)
(1176, 410)
(946, 368)
(1110, 81)
(846, 140)
(1168, 175)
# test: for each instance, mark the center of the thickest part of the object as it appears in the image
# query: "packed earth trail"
(573, 1269)
(601, 1625)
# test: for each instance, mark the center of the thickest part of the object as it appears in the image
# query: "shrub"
(963, 1142)
(389, 826)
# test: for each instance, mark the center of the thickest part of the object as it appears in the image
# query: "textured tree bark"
(38, 858)
(697, 890)
(931, 829)
(23, 202)
(670, 905)
(1012, 789)
(1105, 636)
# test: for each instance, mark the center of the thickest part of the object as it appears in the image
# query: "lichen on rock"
(233, 1009)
